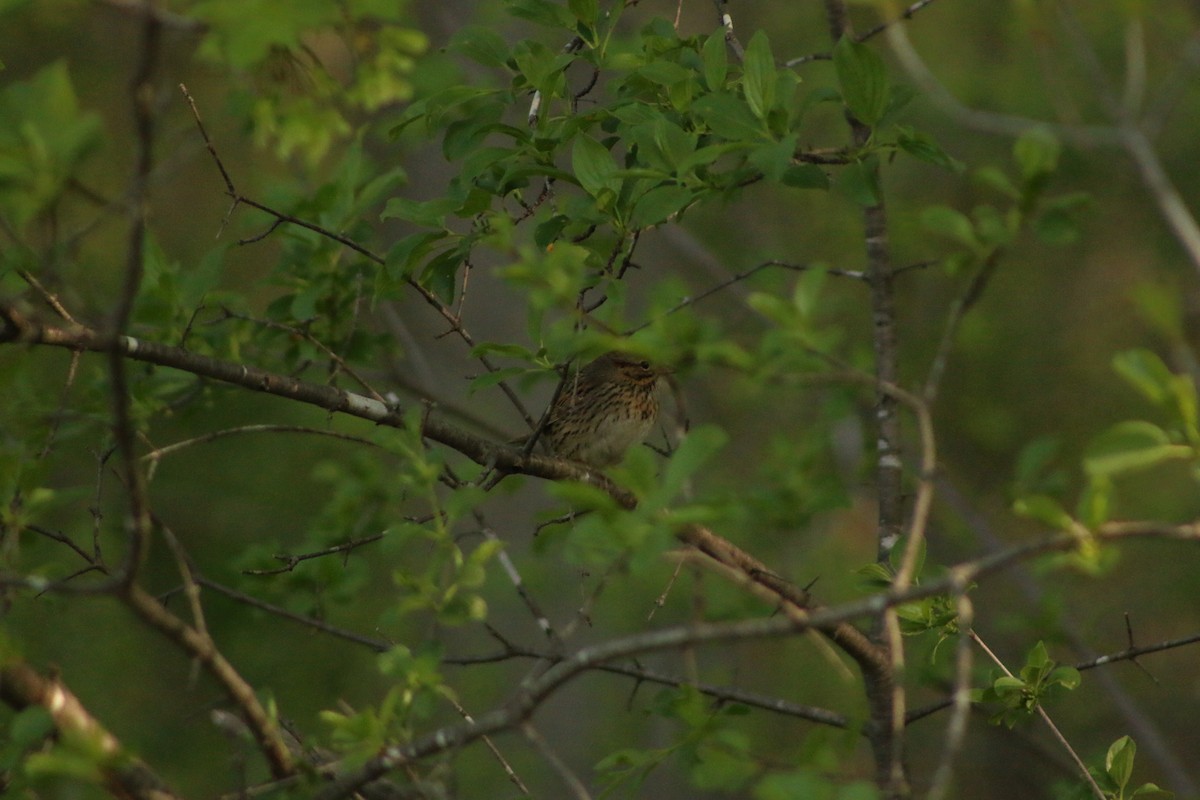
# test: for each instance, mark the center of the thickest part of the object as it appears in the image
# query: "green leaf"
(807, 783)
(950, 223)
(44, 140)
(584, 497)
(480, 44)
(1146, 372)
(541, 66)
(995, 179)
(1056, 226)
(1007, 684)
(659, 204)
(490, 379)
(543, 12)
(774, 158)
(1059, 222)
(506, 349)
(759, 76)
(716, 61)
(805, 176)
(992, 228)
(1118, 762)
(700, 445)
(430, 213)
(728, 116)
(660, 143)
(546, 233)
(1094, 506)
(30, 726)
(404, 256)
(860, 183)
(584, 10)
(1130, 446)
(593, 166)
(1036, 152)
(1038, 656)
(440, 275)
(664, 73)
(724, 766)
(1044, 509)
(1066, 677)
(876, 575)
(863, 79)
(924, 148)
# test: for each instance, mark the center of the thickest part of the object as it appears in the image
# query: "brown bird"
(603, 409)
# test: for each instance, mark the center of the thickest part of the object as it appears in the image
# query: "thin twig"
(1062, 740)
(48, 297)
(60, 414)
(156, 455)
(741, 276)
(568, 776)
(378, 645)
(509, 772)
(958, 311)
(906, 14)
(290, 562)
(190, 589)
(956, 728)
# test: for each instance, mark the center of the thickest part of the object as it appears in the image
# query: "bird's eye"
(644, 364)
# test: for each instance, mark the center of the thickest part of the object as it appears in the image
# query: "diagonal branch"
(21, 687)
(198, 644)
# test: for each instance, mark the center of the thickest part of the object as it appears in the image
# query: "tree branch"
(21, 687)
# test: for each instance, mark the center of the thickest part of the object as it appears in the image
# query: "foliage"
(1021, 695)
(432, 228)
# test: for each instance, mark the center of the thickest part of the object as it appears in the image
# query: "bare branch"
(508, 770)
(956, 729)
(568, 776)
(290, 562)
(378, 645)
(157, 453)
(197, 644)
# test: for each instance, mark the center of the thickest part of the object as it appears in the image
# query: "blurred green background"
(1032, 364)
